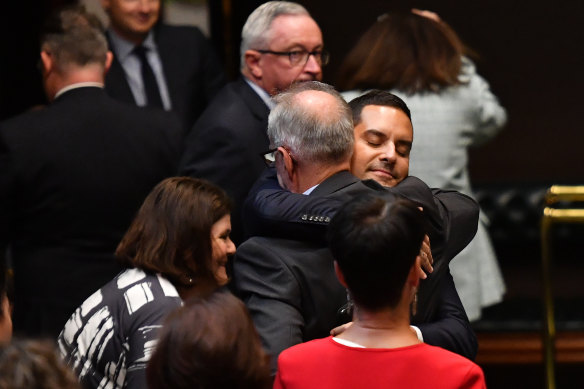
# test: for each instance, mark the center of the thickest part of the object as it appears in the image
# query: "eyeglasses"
(269, 157)
(300, 57)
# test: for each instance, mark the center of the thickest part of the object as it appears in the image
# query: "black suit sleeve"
(450, 328)
(272, 211)
(461, 215)
(272, 295)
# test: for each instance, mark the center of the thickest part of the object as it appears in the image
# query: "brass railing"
(551, 216)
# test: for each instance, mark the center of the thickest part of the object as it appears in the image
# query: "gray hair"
(74, 37)
(312, 135)
(256, 30)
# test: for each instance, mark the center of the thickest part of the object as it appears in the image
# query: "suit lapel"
(171, 65)
(254, 102)
(115, 79)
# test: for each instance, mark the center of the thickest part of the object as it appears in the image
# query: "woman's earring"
(415, 302)
(347, 309)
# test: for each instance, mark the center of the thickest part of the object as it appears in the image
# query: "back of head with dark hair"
(375, 240)
(26, 364)
(171, 234)
(377, 97)
(210, 342)
(403, 51)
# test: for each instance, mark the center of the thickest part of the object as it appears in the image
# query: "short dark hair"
(377, 97)
(375, 240)
(171, 234)
(210, 342)
(74, 37)
(403, 51)
(31, 363)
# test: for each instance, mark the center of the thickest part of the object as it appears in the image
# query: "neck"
(311, 174)
(257, 81)
(134, 38)
(200, 289)
(385, 328)
(90, 73)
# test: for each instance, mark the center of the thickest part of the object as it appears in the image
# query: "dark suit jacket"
(290, 290)
(191, 69)
(225, 144)
(441, 316)
(72, 177)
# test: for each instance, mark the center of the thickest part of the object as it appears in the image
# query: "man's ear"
(414, 274)
(109, 57)
(288, 163)
(252, 62)
(340, 274)
(47, 61)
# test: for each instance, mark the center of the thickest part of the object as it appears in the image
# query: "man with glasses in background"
(281, 44)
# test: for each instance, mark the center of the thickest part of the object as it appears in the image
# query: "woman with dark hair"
(210, 342)
(375, 243)
(176, 247)
(422, 60)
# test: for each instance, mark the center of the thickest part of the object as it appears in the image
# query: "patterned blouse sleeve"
(143, 326)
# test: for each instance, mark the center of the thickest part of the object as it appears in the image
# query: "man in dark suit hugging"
(289, 284)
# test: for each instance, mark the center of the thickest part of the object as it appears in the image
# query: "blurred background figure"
(176, 247)
(156, 64)
(73, 175)
(420, 58)
(210, 342)
(27, 364)
(375, 243)
(280, 44)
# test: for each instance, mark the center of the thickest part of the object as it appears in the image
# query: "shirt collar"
(78, 85)
(309, 190)
(261, 93)
(123, 48)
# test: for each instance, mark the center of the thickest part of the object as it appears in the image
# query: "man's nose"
(146, 5)
(312, 66)
(389, 153)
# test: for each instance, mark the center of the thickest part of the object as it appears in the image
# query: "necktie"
(150, 85)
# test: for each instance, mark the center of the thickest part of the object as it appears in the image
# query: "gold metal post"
(551, 215)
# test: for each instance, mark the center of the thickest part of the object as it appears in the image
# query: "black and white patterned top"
(109, 339)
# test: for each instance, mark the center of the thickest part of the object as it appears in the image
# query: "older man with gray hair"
(288, 283)
(289, 286)
(281, 44)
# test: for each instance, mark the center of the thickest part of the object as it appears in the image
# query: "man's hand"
(426, 259)
(338, 330)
